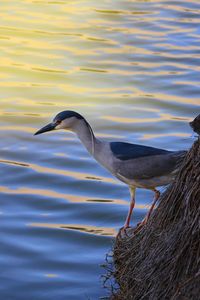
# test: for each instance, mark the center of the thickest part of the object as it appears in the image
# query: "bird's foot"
(141, 224)
(123, 231)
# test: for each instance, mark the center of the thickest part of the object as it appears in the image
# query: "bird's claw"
(140, 225)
(123, 230)
(143, 222)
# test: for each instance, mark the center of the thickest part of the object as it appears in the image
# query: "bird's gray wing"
(151, 166)
(126, 151)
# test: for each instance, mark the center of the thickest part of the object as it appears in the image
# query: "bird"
(137, 166)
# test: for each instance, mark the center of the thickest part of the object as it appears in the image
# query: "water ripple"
(132, 69)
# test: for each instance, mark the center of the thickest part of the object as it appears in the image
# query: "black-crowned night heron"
(136, 165)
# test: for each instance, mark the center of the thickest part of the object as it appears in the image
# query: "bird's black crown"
(67, 114)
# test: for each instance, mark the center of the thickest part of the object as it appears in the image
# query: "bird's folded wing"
(127, 151)
(150, 166)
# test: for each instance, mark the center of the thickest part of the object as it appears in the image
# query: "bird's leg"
(157, 195)
(132, 204)
(145, 220)
(128, 218)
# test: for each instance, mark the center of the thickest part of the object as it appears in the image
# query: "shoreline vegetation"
(162, 260)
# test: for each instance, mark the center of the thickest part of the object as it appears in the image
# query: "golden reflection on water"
(105, 231)
(53, 194)
(151, 136)
(70, 198)
(47, 170)
(17, 128)
(160, 117)
(51, 275)
(35, 49)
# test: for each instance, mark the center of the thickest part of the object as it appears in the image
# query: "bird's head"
(64, 120)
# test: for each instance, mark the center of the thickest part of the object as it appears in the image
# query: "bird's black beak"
(46, 128)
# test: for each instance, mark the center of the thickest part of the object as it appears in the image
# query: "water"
(132, 69)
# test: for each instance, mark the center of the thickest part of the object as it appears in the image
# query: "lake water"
(132, 68)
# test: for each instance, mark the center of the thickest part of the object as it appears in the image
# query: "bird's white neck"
(86, 135)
